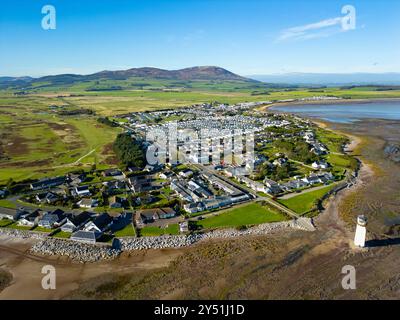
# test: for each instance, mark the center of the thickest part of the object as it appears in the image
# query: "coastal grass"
(5, 223)
(61, 234)
(251, 214)
(127, 231)
(7, 204)
(303, 203)
(152, 231)
(49, 146)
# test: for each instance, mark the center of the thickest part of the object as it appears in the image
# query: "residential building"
(88, 203)
(75, 221)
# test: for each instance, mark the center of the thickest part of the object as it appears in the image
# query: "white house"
(88, 203)
(82, 191)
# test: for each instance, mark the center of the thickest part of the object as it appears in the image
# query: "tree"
(129, 151)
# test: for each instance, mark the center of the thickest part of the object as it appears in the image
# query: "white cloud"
(320, 29)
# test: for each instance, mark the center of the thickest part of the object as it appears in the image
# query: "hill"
(126, 79)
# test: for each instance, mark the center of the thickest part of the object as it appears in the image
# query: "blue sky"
(245, 36)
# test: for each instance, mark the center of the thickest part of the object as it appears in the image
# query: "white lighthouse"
(361, 231)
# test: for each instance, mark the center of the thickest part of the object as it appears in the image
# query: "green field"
(36, 143)
(61, 234)
(151, 231)
(250, 214)
(7, 204)
(303, 203)
(128, 231)
(5, 222)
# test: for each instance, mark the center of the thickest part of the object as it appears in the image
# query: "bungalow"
(140, 183)
(30, 219)
(320, 165)
(312, 180)
(166, 175)
(85, 236)
(180, 188)
(166, 213)
(76, 179)
(88, 203)
(47, 198)
(145, 216)
(52, 219)
(326, 177)
(82, 191)
(272, 186)
(99, 224)
(75, 221)
(115, 173)
(115, 202)
(151, 215)
(47, 183)
(280, 162)
(194, 207)
(186, 173)
(11, 214)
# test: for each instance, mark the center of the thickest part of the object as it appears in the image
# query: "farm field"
(303, 203)
(250, 214)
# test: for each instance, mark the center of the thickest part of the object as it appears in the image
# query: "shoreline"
(327, 102)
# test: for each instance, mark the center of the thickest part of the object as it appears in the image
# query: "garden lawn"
(7, 204)
(251, 214)
(305, 202)
(5, 222)
(127, 231)
(62, 235)
(150, 231)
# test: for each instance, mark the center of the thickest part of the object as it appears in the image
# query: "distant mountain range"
(207, 73)
(205, 77)
(331, 79)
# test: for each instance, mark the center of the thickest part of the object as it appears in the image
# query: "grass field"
(151, 231)
(62, 235)
(37, 143)
(128, 231)
(5, 222)
(251, 214)
(305, 202)
(7, 204)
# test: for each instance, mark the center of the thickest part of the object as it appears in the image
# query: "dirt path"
(75, 162)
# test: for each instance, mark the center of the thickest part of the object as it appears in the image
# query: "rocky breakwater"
(81, 252)
(22, 234)
(162, 242)
(262, 229)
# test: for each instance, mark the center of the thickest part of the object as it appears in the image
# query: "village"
(200, 177)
